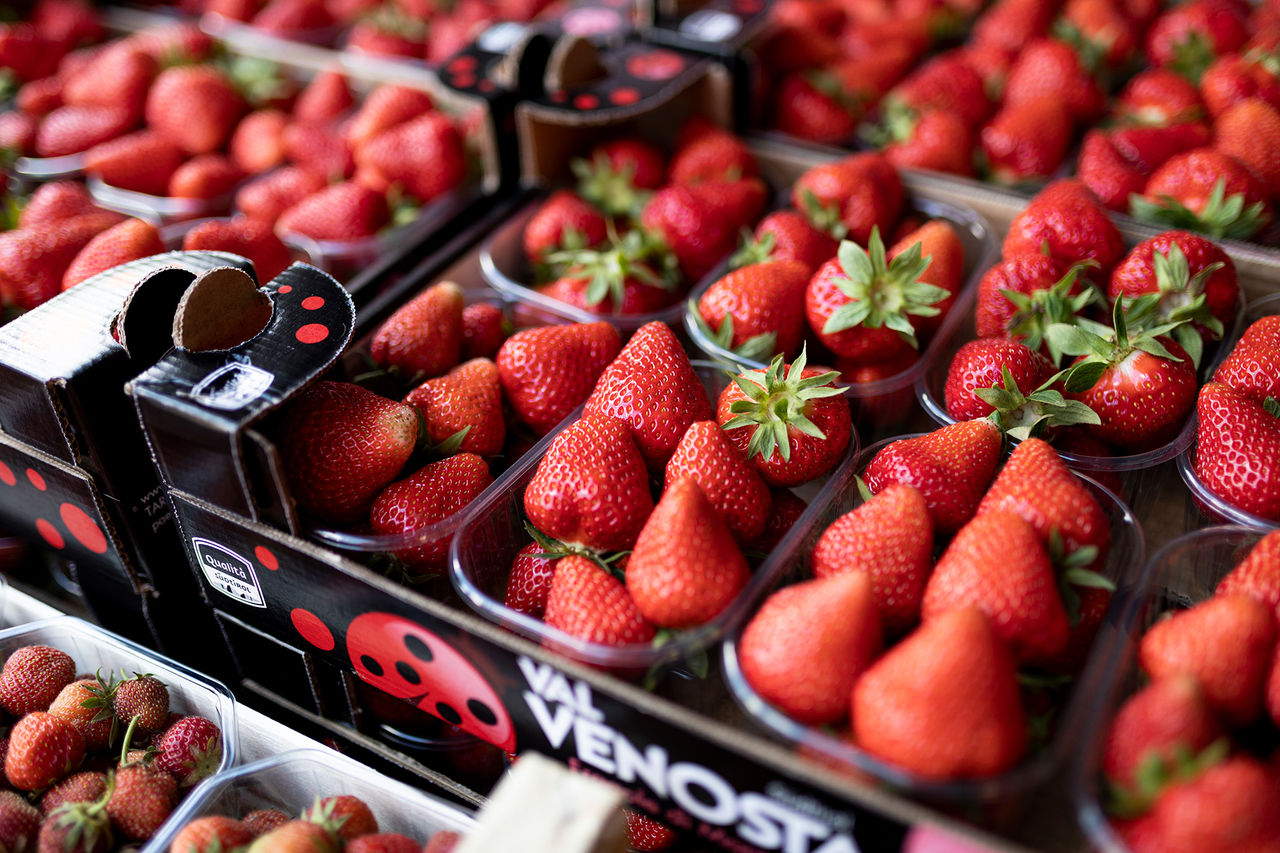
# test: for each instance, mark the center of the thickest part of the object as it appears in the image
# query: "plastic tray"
(49, 168)
(154, 208)
(173, 233)
(1182, 573)
(999, 799)
(291, 782)
(489, 538)
(981, 249)
(1202, 504)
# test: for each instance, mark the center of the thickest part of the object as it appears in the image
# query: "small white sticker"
(228, 572)
(710, 25)
(232, 386)
(501, 37)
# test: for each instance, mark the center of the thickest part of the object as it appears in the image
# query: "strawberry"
(33, 260)
(32, 678)
(816, 105)
(424, 336)
(1027, 140)
(1067, 218)
(792, 424)
(184, 42)
(194, 106)
(257, 143)
(143, 162)
(700, 222)
(442, 841)
(1105, 171)
(652, 387)
(1230, 806)
(87, 786)
(951, 467)
(322, 149)
(616, 174)
(384, 842)
(808, 643)
(1049, 68)
(1249, 131)
(709, 154)
(1189, 641)
(81, 704)
(890, 540)
(1253, 366)
(939, 141)
(433, 493)
(1167, 717)
(262, 821)
(563, 221)
(685, 568)
(646, 834)
(937, 240)
(785, 235)
(980, 365)
(19, 822)
(1158, 96)
(424, 155)
(296, 836)
(347, 816)
(127, 241)
(212, 834)
(1258, 574)
(548, 372)
(340, 445)
(756, 310)
(189, 749)
(344, 212)
(76, 828)
(530, 580)
(40, 96)
(144, 697)
(468, 397)
(785, 510)
(707, 456)
(383, 108)
(1237, 448)
(946, 84)
(267, 197)
(1100, 28)
(587, 602)
(624, 277)
(42, 749)
(1188, 37)
(1235, 77)
(142, 799)
(997, 563)
(326, 98)
(1012, 23)
(851, 196)
(387, 32)
(484, 330)
(71, 129)
(249, 238)
(998, 311)
(56, 201)
(591, 488)
(208, 177)
(18, 132)
(118, 77)
(1205, 190)
(951, 676)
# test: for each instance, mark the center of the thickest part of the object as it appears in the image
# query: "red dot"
(656, 65)
(50, 533)
(6, 475)
(309, 626)
(312, 333)
(311, 303)
(462, 63)
(266, 558)
(83, 528)
(486, 85)
(465, 80)
(285, 288)
(625, 95)
(36, 479)
(586, 101)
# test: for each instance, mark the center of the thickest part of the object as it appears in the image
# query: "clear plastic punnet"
(997, 801)
(292, 781)
(486, 543)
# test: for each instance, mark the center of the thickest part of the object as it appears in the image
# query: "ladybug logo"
(402, 658)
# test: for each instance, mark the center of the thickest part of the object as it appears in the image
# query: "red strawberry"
(890, 540)
(262, 821)
(530, 581)
(127, 241)
(302, 836)
(144, 697)
(549, 371)
(786, 235)
(212, 834)
(19, 822)
(707, 456)
(1188, 37)
(1105, 171)
(1253, 366)
(998, 313)
(342, 212)
(757, 310)
(705, 153)
(1012, 23)
(1235, 77)
(1250, 132)
(563, 221)
(1258, 574)
(1026, 140)
(39, 96)
(468, 397)
(1049, 68)
(951, 467)
(1166, 717)
(615, 174)
(183, 41)
(1205, 190)
(267, 197)
(945, 83)
(349, 816)
(591, 488)
(808, 644)
(979, 365)
(189, 750)
(322, 149)
(118, 77)
(257, 143)
(42, 749)
(75, 828)
(685, 568)
(646, 834)
(700, 222)
(442, 841)
(652, 387)
(1190, 641)
(340, 445)
(142, 800)
(850, 197)
(383, 108)
(637, 289)
(587, 602)
(18, 132)
(1067, 218)
(1158, 96)
(80, 704)
(194, 106)
(325, 99)
(424, 155)
(208, 176)
(32, 678)
(816, 104)
(143, 162)
(249, 238)
(943, 703)
(1237, 454)
(71, 130)
(484, 330)
(793, 443)
(33, 260)
(424, 336)
(56, 201)
(383, 842)
(87, 786)
(939, 141)
(1230, 806)
(786, 509)
(1103, 28)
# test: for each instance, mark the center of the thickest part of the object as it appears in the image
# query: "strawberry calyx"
(755, 348)
(1102, 352)
(824, 217)
(148, 754)
(776, 402)
(753, 250)
(322, 813)
(612, 190)
(387, 18)
(1272, 406)
(1154, 774)
(1223, 216)
(1182, 299)
(86, 823)
(827, 84)
(554, 549)
(1193, 55)
(881, 292)
(636, 256)
(898, 120)
(1035, 312)
(259, 81)
(1073, 571)
(1022, 416)
(102, 697)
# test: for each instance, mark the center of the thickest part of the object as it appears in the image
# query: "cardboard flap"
(223, 308)
(142, 326)
(574, 63)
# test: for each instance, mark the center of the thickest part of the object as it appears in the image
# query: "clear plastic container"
(154, 208)
(999, 800)
(1181, 574)
(1202, 505)
(981, 249)
(95, 649)
(293, 780)
(487, 542)
(173, 233)
(49, 168)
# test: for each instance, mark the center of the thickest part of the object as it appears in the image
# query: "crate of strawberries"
(107, 739)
